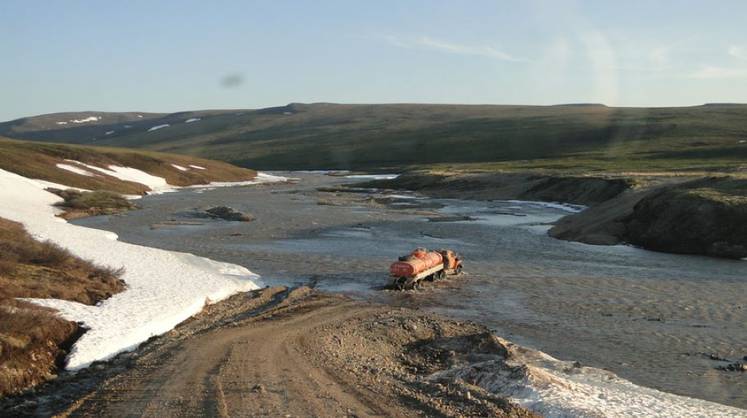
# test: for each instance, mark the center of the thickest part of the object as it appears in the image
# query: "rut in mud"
(280, 352)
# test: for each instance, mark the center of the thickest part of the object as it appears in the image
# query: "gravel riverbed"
(660, 320)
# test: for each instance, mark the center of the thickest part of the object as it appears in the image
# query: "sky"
(166, 56)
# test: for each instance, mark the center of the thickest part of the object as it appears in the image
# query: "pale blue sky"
(177, 55)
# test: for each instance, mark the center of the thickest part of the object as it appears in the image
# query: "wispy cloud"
(735, 70)
(479, 50)
(426, 42)
(738, 52)
(713, 72)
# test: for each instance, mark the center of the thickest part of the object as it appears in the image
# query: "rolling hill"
(103, 168)
(343, 136)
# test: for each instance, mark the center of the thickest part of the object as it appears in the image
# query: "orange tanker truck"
(423, 264)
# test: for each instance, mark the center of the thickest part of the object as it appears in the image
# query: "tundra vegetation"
(578, 138)
(38, 160)
(78, 204)
(33, 339)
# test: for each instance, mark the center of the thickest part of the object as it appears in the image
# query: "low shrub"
(99, 202)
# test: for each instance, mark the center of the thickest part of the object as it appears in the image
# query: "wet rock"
(228, 214)
(454, 218)
(716, 357)
(733, 367)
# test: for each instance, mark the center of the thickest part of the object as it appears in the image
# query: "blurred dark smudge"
(232, 80)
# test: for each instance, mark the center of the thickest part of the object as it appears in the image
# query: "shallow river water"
(652, 318)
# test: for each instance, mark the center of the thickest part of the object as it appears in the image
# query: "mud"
(299, 352)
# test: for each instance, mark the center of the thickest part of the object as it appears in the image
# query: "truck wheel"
(400, 283)
(458, 269)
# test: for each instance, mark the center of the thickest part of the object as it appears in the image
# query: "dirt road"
(296, 353)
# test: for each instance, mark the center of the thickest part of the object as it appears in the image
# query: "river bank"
(668, 213)
(298, 352)
(301, 352)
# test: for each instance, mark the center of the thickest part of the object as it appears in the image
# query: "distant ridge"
(581, 104)
(724, 104)
(375, 136)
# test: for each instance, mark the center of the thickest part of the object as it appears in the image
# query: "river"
(652, 318)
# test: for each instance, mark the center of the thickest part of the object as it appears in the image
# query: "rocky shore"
(706, 216)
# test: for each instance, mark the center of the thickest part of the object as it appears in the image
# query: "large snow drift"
(163, 287)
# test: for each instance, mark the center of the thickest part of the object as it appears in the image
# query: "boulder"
(228, 214)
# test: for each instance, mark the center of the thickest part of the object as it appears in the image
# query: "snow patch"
(180, 168)
(373, 176)
(197, 167)
(190, 120)
(44, 184)
(159, 185)
(157, 127)
(155, 183)
(555, 388)
(261, 178)
(567, 207)
(401, 196)
(164, 288)
(86, 120)
(74, 169)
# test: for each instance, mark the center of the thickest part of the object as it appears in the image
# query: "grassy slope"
(485, 137)
(33, 339)
(38, 160)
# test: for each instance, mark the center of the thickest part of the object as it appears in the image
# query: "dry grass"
(33, 340)
(39, 160)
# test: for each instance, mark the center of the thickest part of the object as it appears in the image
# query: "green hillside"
(336, 136)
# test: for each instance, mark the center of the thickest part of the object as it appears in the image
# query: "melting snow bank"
(555, 388)
(261, 178)
(159, 185)
(164, 288)
(74, 169)
(155, 183)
